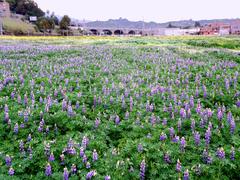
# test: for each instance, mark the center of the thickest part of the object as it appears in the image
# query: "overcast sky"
(149, 10)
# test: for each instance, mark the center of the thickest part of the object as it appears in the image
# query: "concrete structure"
(4, 9)
(142, 32)
(113, 31)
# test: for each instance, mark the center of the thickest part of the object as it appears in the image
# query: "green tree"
(25, 7)
(65, 22)
(13, 5)
(45, 24)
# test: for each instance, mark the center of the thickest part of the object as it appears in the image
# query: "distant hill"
(125, 23)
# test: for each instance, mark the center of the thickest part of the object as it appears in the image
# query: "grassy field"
(120, 108)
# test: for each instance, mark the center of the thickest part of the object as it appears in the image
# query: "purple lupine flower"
(140, 148)
(6, 109)
(171, 132)
(208, 136)
(204, 91)
(29, 150)
(178, 166)
(127, 115)
(47, 149)
(117, 120)
(64, 105)
(153, 120)
(22, 125)
(166, 158)
(163, 137)
(65, 174)
(189, 113)
(232, 154)
(84, 158)
(131, 103)
(219, 114)
(191, 102)
(232, 126)
(48, 170)
(197, 138)
(186, 175)
(90, 174)
(95, 155)
(21, 146)
(51, 157)
(77, 105)
(81, 151)
(97, 122)
(229, 117)
(238, 103)
(175, 139)
(220, 153)
(62, 157)
(206, 157)
(94, 101)
(6, 117)
(88, 165)
(70, 111)
(11, 171)
(199, 107)
(107, 177)
(182, 144)
(8, 160)
(227, 84)
(85, 142)
(142, 170)
(74, 169)
(164, 122)
(15, 130)
(183, 114)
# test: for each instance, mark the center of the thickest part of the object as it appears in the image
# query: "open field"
(120, 107)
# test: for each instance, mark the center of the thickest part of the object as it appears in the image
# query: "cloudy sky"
(149, 10)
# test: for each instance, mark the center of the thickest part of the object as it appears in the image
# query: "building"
(235, 27)
(181, 32)
(4, 9)
(215, 29)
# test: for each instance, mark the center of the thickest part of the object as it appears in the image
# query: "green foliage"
(25, 7)
(99, 70)
(45, 24)
(65, 22)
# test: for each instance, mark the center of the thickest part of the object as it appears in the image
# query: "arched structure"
(131, 32)
(118, 32)
(107, 32)
(94, 31)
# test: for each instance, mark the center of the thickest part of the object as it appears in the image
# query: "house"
(235, 27)
(4, 9)
(215, 29)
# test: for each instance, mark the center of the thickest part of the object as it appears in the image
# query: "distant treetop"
(25, 7)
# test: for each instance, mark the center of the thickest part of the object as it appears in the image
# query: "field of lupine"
(120, 108)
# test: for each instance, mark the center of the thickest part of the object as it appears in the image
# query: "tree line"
(46, 22)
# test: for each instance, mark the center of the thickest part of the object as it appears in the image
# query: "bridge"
(114, 31)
